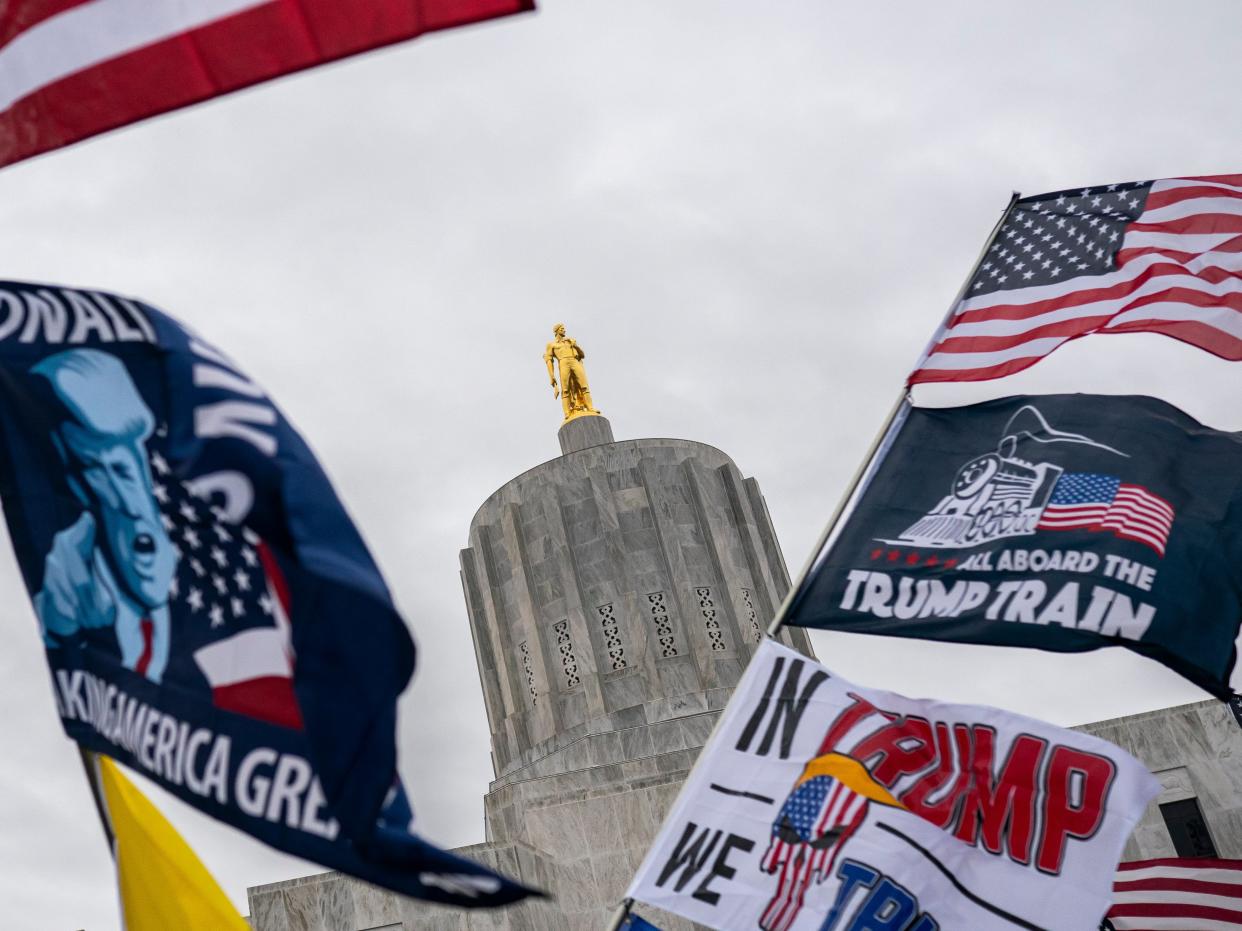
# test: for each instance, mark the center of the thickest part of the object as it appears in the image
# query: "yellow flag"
(163, 884)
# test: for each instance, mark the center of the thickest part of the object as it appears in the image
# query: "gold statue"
(574, 392)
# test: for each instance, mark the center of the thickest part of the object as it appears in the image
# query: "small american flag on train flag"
(1152, 256)
(1089, 501)
(1176, 894)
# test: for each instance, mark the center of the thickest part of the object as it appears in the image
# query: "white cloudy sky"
(750, 214)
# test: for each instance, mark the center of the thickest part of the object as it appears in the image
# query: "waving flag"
(72, 68)
(820, 804)
(211, 616)
(1065, 522)
(1177, 894)
(163, 884)
(1086, 500)
(1152, 257)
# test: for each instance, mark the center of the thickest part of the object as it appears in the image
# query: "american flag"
(1089, 501)
(72, 68)
(229, 604)
(817, 818)
(1177, 895)
(1154, 256)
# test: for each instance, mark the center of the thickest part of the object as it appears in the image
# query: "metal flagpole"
(90, 764)
(619, 916)
(883, 439)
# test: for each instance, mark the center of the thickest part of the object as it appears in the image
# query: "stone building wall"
(614, 594)
(1195, 751)
(611, 578)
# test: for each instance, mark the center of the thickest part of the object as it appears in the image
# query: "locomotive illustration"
(998, 494)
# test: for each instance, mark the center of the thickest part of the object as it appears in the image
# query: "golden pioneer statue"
(574, 392)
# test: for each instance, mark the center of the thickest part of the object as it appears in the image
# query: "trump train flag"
(1063, 522)
(72, 68)
(819, 805)
(210, 614)
(163, 884)
(1144, 257)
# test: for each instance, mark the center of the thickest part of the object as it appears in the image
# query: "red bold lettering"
(1001, 808)
(953, 771)
(1075, 790)
(850, 716)
(900, 748)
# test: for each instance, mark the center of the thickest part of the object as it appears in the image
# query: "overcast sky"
(751, 215)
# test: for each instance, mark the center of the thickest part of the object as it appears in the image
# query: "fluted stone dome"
(619, 586)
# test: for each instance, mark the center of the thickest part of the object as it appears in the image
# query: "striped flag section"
(1087, 501)
(251, 672)
(70, 69)
(1153, 257)
(1177, 895)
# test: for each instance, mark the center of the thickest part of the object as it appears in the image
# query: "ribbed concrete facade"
(615, 594)
(1195, 751)
(609, 579)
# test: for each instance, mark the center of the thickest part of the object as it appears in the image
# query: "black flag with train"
(1063, 522)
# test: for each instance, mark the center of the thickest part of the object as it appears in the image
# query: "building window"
(612, 636)
(663, 626)
(1186, 826)
(569, 662)
(530, 672)
(751, 616)
(708, 607)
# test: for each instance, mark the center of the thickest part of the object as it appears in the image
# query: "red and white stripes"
(251, 672)
(1133, 514)
(800, 864)
(1179, 272)
(72, 68)
(1178, 895)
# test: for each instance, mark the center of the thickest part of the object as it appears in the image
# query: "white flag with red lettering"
(72, 68)
(820, 806)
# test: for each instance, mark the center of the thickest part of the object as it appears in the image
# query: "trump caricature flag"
(819, 805)
(72, 68)
(1063, 522)
(210, 615)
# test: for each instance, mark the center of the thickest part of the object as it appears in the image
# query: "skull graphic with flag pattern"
(826, 806)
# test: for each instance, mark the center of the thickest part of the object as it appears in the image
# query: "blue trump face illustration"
(114, 565)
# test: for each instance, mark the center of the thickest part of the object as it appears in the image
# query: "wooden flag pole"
(92, 777)
(883, 439)
(619, 916)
